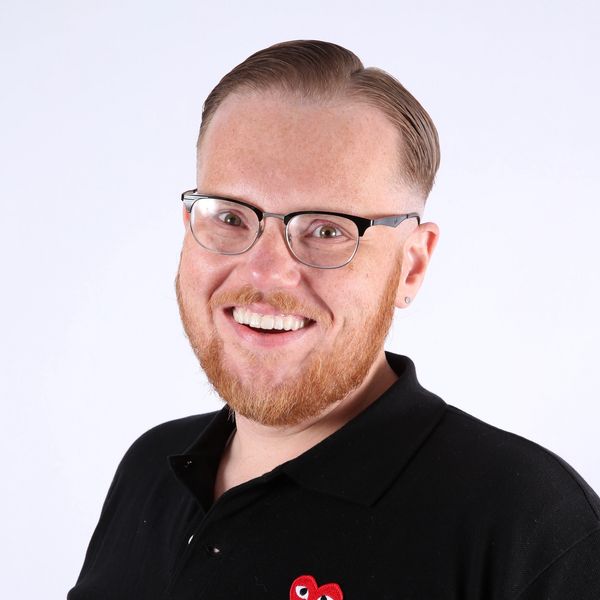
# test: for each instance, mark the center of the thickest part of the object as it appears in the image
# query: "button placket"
(209, 545)
(197, 540)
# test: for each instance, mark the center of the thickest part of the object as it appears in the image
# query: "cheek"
(197, 271)
(356, 296)
(346, 296)
(202, 273)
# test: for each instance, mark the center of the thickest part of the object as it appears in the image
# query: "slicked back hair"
(323, 71)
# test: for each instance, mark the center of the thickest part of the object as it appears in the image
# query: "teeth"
(258, 321)
(267, 322)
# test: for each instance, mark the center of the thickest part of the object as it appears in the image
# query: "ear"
(416, 254)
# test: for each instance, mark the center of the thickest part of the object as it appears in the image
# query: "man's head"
(322, 72)
(319, 138)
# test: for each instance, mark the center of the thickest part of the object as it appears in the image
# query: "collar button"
(213, 551)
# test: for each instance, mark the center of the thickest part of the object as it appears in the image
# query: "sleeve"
(141, 483)
(97, 539)
(121, 495)
(574, 575)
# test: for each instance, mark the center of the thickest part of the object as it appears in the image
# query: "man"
(330, 473)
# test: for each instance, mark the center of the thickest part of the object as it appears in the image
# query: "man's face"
(282, 155)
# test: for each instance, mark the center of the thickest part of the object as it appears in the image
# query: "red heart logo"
(305, 588)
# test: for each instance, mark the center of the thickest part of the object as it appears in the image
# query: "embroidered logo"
(305, 588)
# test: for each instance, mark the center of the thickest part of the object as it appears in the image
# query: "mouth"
(265, 327)
(269, 323)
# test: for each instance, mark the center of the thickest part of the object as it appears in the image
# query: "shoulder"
(514, 499)
(514, 462)
(511, 465)
(525, 501)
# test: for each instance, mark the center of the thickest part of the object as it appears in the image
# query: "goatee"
(328, 378)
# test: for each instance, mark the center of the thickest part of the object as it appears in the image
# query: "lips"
(268, 339)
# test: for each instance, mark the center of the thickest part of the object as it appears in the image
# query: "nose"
(269, 262)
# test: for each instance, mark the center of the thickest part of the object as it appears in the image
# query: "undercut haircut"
(321, 72)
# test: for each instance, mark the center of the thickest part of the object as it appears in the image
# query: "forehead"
(287, 153)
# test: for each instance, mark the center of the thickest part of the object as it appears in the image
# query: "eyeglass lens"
(315, 239)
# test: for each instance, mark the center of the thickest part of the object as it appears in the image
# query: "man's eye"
(327, 231)
(230, 218)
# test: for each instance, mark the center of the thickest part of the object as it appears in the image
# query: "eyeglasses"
(315, 238)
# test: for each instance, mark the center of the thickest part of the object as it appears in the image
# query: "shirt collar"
(357, 463)
(361, 460)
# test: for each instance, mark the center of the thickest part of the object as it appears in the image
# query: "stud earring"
(407, 299)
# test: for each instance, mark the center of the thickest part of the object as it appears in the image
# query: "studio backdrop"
(100, 108)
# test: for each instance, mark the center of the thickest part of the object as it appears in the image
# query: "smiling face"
(281, 341)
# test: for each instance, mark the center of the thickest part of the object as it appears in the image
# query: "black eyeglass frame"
(190, 197)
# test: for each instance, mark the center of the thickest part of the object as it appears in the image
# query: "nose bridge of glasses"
(272, 257)
(276, 215)
(262, 225)
(263, 221)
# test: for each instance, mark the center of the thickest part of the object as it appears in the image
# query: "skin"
(283, 154)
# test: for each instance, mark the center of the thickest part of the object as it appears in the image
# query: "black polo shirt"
(412, 499)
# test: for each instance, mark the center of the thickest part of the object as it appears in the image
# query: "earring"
(407, 299)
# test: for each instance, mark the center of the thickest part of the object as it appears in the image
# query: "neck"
(256, 449)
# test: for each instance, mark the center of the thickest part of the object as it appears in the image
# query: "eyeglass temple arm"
(396, 220)
(189, 197)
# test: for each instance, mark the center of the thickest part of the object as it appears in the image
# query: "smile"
(257, 320)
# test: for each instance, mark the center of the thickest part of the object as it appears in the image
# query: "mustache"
(281, 301)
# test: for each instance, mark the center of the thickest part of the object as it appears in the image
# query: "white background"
(99, 110)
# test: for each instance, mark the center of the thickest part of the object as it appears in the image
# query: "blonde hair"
(320, 71)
